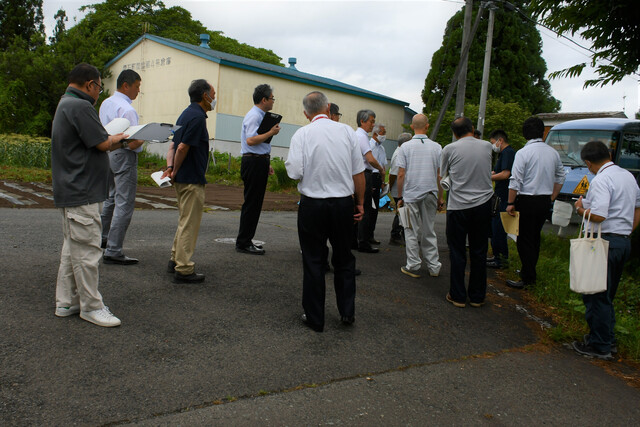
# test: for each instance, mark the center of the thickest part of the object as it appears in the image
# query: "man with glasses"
(80, 170)
(255, 168)
(334, 112)
(187, 161)
(118, 208)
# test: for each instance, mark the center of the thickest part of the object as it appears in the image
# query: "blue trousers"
(499, 244)
(600, 315)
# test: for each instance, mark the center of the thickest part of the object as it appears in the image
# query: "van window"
(569, 143)
(630, 153)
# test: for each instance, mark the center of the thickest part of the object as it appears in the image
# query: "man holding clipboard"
(255, 166)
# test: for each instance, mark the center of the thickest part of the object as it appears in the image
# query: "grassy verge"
(566, 307)
(28, 159)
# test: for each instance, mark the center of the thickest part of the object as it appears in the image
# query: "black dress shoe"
(368, 249)
(347, 320)
(396, 242)
(171, 267)
(317, 328)
(358, 272)
(493, 264)
(122, 260)
(374, 241)
(188, 278)
(519, 284)
(251, 249)
(258, 245)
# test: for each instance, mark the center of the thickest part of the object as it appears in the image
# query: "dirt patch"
(39, 196)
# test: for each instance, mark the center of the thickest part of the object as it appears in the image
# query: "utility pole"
(485, 72)
(462, 79)
(456, 76)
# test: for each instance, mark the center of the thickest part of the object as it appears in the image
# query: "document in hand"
(153, 132)
(162, 182)
(510, 223)
(269, 121)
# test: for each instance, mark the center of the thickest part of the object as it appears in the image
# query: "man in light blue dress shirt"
(117, 210)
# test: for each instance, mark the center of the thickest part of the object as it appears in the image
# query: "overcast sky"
(382, 46)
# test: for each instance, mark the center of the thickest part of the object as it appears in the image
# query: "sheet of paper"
(510, 223)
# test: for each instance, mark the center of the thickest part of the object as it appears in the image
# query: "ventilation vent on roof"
(292, 63)
(204, 40)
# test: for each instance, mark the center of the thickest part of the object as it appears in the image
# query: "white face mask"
(495, 147)
(382, 138)
(212, 102)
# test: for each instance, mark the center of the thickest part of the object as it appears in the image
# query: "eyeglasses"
(337, 114)
(271, 98)
(101, 86)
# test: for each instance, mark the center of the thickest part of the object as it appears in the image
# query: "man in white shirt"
(378, 136)
(467, 161)
(365, 120)
(397, 230)
(537, 176)
(255, 167)
(117, 210)
(420, 191)
(325, 156)
(613, 200)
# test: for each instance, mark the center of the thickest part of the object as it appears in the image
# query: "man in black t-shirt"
(500, 175)
(187, 162)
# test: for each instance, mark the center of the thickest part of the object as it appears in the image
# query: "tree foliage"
(33, 73)
(612, 27)
(517, 72)
(499, 115)
(22, 19)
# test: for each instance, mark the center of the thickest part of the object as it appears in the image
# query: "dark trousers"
(319, 220)
(254, 172)
(499, 236)
(474, 223)
(364, 226)
(376, 185)
(397, 231)
(534, 211)
(600, 315)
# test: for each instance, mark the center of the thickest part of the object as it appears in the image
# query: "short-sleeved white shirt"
(250, 125)
(324, 155)
(393, 170)
(116, 106)
(363, 141)
(614, 195)
(379, 153)
(536, 168)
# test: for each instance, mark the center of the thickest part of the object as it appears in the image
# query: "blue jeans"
(600, 315)
(499, 244)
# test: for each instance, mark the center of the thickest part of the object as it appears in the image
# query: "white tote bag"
(588, 260)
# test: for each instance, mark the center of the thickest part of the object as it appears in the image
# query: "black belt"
(616, 235)
(265, 156)
(368, 170)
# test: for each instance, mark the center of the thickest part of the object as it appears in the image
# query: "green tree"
(612, 27)
(517, 71)
(499, 115)
(20, 18)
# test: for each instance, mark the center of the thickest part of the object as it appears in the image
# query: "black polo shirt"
(193, 133)
(504, 162)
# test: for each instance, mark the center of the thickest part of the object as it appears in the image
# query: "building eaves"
(240, 62)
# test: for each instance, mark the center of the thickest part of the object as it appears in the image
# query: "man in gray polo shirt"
(80, 170)
(467, 161)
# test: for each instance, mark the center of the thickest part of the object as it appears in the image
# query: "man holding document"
(118, 208)
(255, 167)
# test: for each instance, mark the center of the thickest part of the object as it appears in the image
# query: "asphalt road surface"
(232, 351)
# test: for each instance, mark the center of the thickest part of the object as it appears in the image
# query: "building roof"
(575, 116)
(240, 62)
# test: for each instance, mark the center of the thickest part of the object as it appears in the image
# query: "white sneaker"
(102, 317)
(67, 311)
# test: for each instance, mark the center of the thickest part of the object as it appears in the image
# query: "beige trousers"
(191, 205)
(78, 273)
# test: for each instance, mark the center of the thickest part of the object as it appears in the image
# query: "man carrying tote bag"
(613, 201)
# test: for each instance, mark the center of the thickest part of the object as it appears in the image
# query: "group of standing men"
(341, 173)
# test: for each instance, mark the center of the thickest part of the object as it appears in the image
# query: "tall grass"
(566, 306)
(25, 151)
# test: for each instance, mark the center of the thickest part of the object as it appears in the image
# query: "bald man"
(420, 192)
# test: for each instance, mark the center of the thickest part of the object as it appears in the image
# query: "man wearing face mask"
(500, 176)
(378, 136)
(187, 162)
(80, 171)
